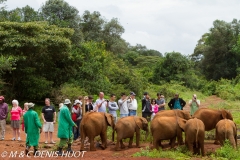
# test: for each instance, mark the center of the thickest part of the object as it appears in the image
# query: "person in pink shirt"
(16, 113)
(154, 107)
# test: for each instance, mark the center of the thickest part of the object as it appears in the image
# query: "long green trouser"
(64, 141)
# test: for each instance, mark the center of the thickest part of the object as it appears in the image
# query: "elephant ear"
(140, 121)
(109, 118)
(224, 114)
(182, 123)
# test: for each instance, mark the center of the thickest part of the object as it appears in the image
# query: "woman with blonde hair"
(16, 113)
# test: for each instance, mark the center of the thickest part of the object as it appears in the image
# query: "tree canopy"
(56, 51)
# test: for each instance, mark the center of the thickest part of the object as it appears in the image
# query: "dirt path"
(209, 101)
(9, 147)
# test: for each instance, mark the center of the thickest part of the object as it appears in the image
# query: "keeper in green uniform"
(65, 125)
(32, 125)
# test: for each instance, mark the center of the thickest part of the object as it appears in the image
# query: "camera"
(107, 100)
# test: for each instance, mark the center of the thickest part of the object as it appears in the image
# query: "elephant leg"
(82, 141)
(216, 138)
(92, 147)
(122, 145)
(190, 147)
(104, 140)
(155, 143)
(197, 148)
(180, 139)
(202, 148)
(117, 144)
(232, 141)
(130, 142)
(137, 138)
(173, 142)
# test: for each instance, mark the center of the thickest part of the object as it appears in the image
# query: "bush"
(226, 152)
(68, 90)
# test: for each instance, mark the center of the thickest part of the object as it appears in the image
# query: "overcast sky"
(163, 25)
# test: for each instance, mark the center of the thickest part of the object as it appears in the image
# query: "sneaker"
(13, 139)
(46, 142)
(19, 139)
(52, 142)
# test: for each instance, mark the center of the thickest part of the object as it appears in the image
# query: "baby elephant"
(226, 129)
(194, 135)
(126, 127)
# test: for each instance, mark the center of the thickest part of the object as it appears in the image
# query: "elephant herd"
(166, 125)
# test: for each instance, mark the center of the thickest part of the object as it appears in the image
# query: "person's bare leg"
(50, 135)
(18, 133)
(46, 137)
(14, 134)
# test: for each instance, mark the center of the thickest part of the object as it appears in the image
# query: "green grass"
(180, 152)
(226, 152)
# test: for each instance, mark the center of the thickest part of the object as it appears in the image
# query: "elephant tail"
(197, 133)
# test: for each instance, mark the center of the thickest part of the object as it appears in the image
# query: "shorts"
(48, 127)
(15, 123)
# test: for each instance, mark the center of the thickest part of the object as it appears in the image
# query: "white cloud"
(163, 25)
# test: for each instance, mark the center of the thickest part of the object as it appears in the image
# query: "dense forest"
(58, 52)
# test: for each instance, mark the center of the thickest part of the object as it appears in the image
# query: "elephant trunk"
(146, 135)
(113, 135)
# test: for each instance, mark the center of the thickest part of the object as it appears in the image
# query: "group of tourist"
(69, 116)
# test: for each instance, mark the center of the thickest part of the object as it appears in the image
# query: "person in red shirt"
(16, 113)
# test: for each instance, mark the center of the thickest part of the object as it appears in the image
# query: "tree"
(174, 66)
(91, 61)
(112, 32)
(91, 25)
(60, 13)
(25, 14)
(215, 52)
(2, 2)
(95, 28)
(142, 50)
(42, 57)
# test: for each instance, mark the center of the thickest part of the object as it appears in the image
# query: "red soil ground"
(7, 146)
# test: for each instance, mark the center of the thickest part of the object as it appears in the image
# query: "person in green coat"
(33, 128)
(194, 104)
(65, 125)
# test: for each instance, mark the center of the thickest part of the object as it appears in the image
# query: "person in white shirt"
(132, 107)
(101, 103)
(123, 105)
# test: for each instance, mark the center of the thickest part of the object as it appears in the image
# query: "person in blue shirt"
(176, 102)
